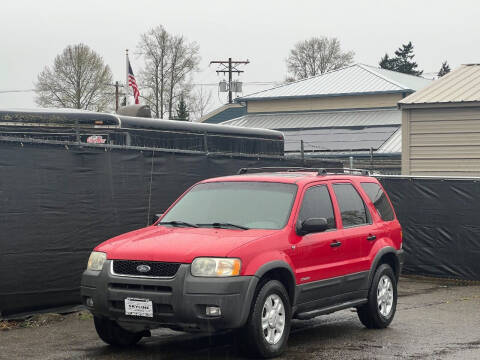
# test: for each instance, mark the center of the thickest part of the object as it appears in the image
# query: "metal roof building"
(330, 131)
(441, 126)
(347, 112)
(358, 79)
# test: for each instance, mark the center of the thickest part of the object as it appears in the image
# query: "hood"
(177, 244)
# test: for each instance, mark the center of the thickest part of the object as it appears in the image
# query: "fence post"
(302, 152)
(205, 142)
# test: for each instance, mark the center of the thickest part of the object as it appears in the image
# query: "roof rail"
(346, 171)
(274, 169)
(319, 171)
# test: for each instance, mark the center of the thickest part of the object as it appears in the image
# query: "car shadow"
(307, 337)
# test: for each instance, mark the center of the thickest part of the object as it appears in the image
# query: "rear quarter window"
(379, 200)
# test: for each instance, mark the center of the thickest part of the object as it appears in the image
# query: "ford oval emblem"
(143, 268)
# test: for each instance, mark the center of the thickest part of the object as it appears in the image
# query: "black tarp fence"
(440, 218)
(57, 202)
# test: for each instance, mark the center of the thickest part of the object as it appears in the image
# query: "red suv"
(251, 252)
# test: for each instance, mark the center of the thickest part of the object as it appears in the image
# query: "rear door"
(357, 229)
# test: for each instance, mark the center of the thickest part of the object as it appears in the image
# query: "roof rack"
(319, 171)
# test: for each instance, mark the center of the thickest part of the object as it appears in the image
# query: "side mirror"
(155, 217)
(312, 225)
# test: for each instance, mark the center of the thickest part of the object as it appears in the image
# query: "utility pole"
(116, 96)
(229, 66)
(118, 93)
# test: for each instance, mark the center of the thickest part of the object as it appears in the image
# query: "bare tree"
(183, 61)
(170, 61)
(316, 56)
(200, 100)
(154, 45)
(78, 79)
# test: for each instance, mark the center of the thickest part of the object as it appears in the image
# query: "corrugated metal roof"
(224, 109)
(226, 115)
(338, 139)
(337, 118)
(393, 144)
(354, 80)
(460, 85)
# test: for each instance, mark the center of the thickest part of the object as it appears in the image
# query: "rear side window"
(379, 199)
(317, 204)
(352, 207)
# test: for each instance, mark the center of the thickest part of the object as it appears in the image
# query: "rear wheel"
(268, 326)
(380, 309)
(110, 332)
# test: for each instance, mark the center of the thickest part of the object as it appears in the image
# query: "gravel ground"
(434, 320)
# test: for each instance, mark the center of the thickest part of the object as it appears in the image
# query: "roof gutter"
(453, 104)
(338, 156)
(402, 91)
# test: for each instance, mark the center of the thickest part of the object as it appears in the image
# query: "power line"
(194, 84)
(16, 91)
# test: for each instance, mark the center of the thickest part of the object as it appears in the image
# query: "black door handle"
(335, 244)
(371, 237)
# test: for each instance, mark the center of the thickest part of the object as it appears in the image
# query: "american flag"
(133, 83)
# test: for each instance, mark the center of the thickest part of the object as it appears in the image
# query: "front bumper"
(179, 302)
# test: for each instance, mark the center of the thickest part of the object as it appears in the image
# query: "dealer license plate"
(139, 307)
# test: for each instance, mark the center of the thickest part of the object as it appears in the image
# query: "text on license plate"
(138, 307)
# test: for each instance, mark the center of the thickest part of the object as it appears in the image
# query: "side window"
(317, 204)
(379, 200)
(353, 209)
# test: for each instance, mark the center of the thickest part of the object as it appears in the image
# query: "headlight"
(96, 260)
(215, 267)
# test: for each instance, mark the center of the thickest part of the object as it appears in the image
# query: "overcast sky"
(33, 32)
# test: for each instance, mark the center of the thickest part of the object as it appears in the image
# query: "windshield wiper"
(223, 225)
(178, 223)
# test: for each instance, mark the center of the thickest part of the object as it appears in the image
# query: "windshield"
(253, 205)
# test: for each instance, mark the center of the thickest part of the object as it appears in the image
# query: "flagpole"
(126, 77)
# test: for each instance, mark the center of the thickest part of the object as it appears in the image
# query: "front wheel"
(268, 326)
(111, 333)
(380, 309)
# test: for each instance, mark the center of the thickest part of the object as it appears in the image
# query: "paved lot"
(434, 320)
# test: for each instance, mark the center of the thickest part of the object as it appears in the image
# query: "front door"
(317, 257)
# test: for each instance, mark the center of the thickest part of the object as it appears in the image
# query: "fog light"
(89, 301)
(213, 311)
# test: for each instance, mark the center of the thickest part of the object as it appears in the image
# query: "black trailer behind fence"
(118, 130)
(59, 198)
(440, 218)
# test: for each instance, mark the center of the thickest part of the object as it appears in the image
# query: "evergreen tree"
(387, 63)
(444, 70)
(182, 110)
(402, 62)
(405, 63)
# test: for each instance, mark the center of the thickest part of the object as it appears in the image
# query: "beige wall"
(441, 141)
(325, 103)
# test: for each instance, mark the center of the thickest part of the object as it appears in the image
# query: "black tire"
(253, 333)
(369, 313)
(111, 333)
